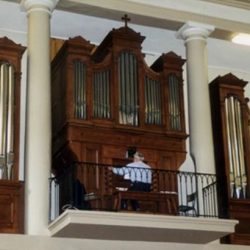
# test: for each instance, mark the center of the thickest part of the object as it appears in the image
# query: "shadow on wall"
(188, 164)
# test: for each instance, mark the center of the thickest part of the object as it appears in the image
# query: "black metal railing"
(92, 186)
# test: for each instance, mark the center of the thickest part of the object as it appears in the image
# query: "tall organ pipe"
(128, 84)
(6, 120)
(235, 147)
(10, 123)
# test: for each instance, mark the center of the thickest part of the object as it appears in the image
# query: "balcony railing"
(91, 186)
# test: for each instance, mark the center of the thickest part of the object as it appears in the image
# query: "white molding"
(194, 31)
(140, 227)
(39, 5)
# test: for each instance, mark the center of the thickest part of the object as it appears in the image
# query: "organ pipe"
(101, 94)
(6, 120)
(80, 90)
(230, 150)
(2, 119)
(229, 140)
(10, 123)
(174, 103)
(128, 94)
(240, 138)
(235, 147)
(153, 102)
(128, 89)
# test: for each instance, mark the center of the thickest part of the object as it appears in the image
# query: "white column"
(200, 124)
(38, 126)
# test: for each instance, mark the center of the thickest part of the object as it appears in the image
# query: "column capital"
(194, 31)
(39, 5)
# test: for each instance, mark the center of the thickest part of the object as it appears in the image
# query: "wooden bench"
(156, 202)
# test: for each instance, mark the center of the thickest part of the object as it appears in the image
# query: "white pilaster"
(38, 126)
(200, 126)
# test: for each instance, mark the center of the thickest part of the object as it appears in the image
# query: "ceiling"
(244, 4)
(168, 14)
(165, 14)
(157, 20)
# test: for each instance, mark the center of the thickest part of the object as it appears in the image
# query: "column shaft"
(38, 123)
(200, 125)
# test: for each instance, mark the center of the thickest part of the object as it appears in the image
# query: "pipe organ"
(107, 100)
(231, 117)
(11, 189)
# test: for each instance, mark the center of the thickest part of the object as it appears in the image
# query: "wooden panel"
(55, 45)
(150, 201)
(239, 210)
(159, 151)
(11, 207)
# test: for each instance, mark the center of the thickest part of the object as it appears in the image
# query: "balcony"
(87, 202)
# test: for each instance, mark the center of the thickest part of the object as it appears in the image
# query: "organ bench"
(156, 202)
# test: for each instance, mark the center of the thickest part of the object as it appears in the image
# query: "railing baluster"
(97, 180)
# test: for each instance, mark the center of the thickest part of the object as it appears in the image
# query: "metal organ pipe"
(101, 94)
(6, 120)
(108, 93)
(240, 138)
(4, 95)
(235, 147)
(104, 93)
(159, 103)
(235, 137)
(174, 103)
(121, 89)
(2, 119)
(153, 101)
(128, 89)
(229, 144)
(10, 111)
(146, 100)
(80, 90)
(10, 123)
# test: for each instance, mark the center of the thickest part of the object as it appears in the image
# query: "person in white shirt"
(140, 176)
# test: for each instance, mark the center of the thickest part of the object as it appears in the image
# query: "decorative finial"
(126, 19)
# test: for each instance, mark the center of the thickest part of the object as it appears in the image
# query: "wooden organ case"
(231, 123)
(106, 100)
(11, 189)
